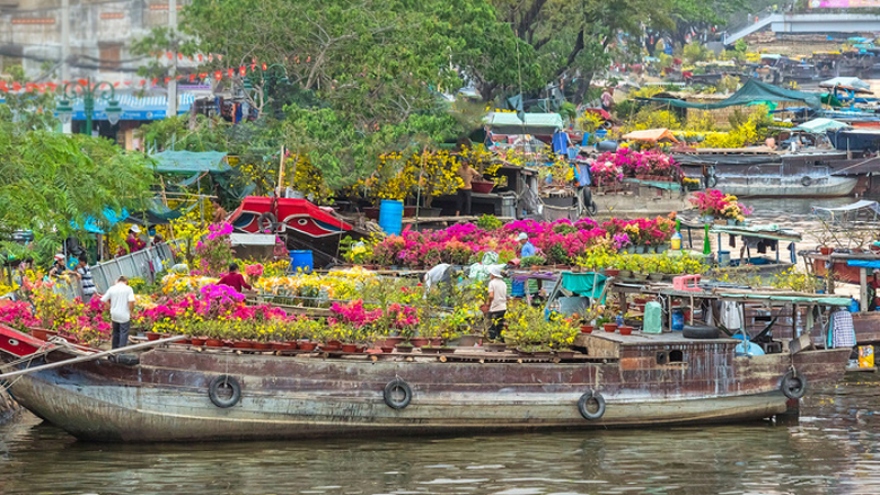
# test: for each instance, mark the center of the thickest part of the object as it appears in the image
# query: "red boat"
(303, 224)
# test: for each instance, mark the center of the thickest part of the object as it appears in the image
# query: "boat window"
(676, 356)
(662, 357)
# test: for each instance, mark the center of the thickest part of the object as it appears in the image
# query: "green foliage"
(797, 281)
(48, 180)
(700, 121)
(530, 261)
(696, 52)
(489, 222)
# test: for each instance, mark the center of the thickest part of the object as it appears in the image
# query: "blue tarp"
(863, 263)
(134, 108)
(91, 224)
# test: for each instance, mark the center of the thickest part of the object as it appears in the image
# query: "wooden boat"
(175, 393)
(760, 172)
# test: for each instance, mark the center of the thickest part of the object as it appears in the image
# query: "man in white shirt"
(497, 302)
(121, 299)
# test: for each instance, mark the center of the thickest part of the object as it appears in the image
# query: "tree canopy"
(49, 179)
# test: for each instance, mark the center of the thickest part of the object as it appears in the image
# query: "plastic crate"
(686, 283)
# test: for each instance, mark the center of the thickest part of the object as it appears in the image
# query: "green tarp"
(191, 162)
(751, 92)
(820, 125)
(584, 284)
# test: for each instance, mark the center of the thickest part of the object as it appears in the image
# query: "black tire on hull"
(224, 381)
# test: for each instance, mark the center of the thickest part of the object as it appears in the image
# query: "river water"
(833, 450)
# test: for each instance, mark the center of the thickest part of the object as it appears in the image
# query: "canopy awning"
(820, 125)
(848, 83)
(135, 108)
(753, 91)
(191, 162)
(651, 136)
(531, 123)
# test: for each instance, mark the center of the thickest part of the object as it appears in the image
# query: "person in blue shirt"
(527, 248)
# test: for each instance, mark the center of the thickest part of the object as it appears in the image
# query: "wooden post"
(863, 289)
(280, 171)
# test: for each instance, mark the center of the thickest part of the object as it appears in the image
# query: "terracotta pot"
(611, 272)
(610, 327)
(419, 341)
(430, 350)
(332, 346)
(242, 344)
(198, 341)
(262, 346)
(586, 328)
(406, 349)
(350, 348)
(482, 187)
(825, 250)
(437, 342)
(186, 341)
(447, 350)
(371, 212)
(307, 346)
(153, 336)
(278, 346)
(390, 341)
(213, 342)
(625, 329)
(387, 349)
(292, 345)
(42, 333)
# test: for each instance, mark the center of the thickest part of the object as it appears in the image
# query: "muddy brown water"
(833, 450)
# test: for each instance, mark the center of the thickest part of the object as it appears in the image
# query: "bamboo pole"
(91, 357)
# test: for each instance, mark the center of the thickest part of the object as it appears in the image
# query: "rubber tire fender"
(700, 332)
(806, 181)
(267, 222)
(793, 386)
(585, 400)
(224, 380)
(392, 387)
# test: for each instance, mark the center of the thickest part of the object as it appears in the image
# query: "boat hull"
(165, 397)
(828, 188)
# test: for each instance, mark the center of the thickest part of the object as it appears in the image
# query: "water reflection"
(831, 451)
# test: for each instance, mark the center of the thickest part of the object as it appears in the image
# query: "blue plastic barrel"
(391, 216)
(301, 259)
(677, 320)
(518, 288)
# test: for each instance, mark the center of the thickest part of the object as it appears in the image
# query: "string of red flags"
(187, 77)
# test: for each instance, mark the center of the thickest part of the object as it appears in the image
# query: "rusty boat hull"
(165, 397)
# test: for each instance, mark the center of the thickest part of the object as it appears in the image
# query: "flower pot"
(262, 346)
(198, 341)
(279, 346)
(213, 342)
(42, 333)
(640, 276)
(662, 248)
(390, 341)
(640, 249)
(437, 342)
(350, 348)
(656, 277)
(625, 274)
(430, 350)
(482, 187)
(564, 354)
(447, 350)
(731, 221)
(332, 346)
(387, 349)
(419, 341)
(825, 250)
(625, 329)
(611, 272)
(500, 347)
(430, 212)
(586, 328)
(243, 344)
(610, 327)
(307, 346)
(153, 336)
(631, 249)
(292, 345)
(405, 349)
